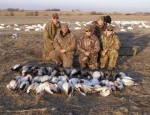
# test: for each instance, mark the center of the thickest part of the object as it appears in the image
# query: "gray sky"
(82, 5)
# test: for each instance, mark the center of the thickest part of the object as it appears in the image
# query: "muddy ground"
(27, 49)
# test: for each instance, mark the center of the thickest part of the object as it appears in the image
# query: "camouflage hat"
(88, 28)
(110, 27)
(64, 25)
(55, 15)
(101, 18)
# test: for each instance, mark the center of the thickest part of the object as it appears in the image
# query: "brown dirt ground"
(27, 49)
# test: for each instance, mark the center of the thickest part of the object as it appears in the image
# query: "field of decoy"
(26, 49)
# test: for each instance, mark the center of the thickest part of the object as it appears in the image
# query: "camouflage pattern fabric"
(98, 30)
(112, 44)
(90, 44)
(49, 33)
(67, 42)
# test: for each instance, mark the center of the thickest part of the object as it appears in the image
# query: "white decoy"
(130, 28)
(77, 28)
(15, 24)
(27, 30)
(1, 27)
(9, 26)
(17, 29)
(32, 87)
(2, 24)
(122, 30)
(15, 36)
(37, 29)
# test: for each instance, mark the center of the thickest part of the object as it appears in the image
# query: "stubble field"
(27, 49)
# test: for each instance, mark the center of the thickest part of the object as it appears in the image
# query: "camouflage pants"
(91, 61)
(109, 59)
(48, 47)
(66, 60)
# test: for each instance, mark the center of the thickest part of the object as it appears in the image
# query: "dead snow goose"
(32, 87)
(105, 91)
(16, 67)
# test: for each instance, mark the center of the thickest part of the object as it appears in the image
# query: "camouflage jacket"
(67, 42)
(111, 42)
(51, 31)
(97, 29)
(90, 44)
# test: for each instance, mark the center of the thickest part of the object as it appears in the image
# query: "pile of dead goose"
(57, 80)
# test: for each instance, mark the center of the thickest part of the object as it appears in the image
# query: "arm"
(96, 47)
(56, 44)
(46, 33)
(73, 44)
(79, 45)
(116, 43)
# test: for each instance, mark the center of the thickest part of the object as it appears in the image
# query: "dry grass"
(27, 49)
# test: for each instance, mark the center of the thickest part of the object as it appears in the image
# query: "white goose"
(105, 91)
(32, 87)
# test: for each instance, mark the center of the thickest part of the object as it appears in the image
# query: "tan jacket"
(68, 42)
(110, 43)
(90, 44)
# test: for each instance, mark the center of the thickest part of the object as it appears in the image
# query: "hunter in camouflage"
(88, 46)
(65, 47)
(110, 47)
(99, 27)
(51, 30)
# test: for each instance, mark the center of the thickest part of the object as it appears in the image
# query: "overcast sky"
(82, 5)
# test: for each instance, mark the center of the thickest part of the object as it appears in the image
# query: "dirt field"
(27, 49)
